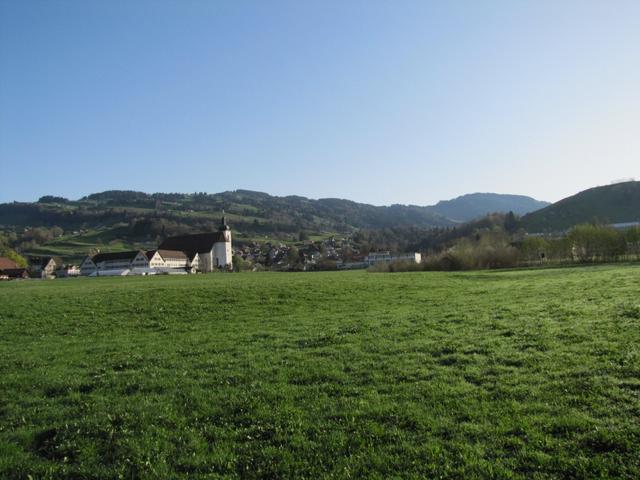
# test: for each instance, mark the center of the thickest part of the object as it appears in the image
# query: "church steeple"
(223, 223)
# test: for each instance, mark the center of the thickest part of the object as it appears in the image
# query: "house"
(87, 267)
(115, 260)
(68, 271)
(174, 258)
(194, 261)
(10, 269)
(213, 249)
(44, 266)
(155, 259)
(13, 273)
(7, 263)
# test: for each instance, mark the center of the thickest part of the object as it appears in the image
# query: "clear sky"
(378, 101)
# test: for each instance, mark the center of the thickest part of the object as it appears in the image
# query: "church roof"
(197, 243)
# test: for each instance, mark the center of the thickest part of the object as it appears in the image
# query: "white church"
(201, 252)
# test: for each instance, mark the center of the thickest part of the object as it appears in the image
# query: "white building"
(376, 257)
(87, 267)
(68, 271)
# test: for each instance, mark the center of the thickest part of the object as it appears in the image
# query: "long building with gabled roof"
(204, 252)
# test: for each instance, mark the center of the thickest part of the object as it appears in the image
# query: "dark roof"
(7, 263)
(150, 254)
(198, 243)
(171, 254)
(101, 257)
(15, 272)
(44, 261)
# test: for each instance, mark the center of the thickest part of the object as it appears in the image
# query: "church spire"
(223, 223)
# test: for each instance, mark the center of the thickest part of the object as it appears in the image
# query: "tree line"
(501, 244)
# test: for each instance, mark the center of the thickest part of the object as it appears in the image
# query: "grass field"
(515, 374)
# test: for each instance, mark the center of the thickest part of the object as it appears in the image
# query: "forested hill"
(116, 220)
(250, 213)
(615, 203)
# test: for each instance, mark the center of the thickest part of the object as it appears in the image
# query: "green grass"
(519, 374)
(74, 248)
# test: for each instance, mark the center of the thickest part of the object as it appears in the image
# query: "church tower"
(222, 249)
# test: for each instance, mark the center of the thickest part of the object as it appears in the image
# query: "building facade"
(376, 257)
(213, 250)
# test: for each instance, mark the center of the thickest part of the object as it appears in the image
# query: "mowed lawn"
(514, 374)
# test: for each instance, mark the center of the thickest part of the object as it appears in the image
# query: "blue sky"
(376, 101)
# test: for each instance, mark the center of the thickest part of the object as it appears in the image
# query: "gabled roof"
(87, 258)
(44, 261)
(7, 263)
(101, 257)
(172, 254)
(198, 243)
(150, 254)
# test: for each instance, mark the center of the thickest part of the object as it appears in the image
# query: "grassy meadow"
(512, 374)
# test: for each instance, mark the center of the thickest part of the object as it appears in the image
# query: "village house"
(7, 264)
(87, 267)
(10, 269)
(44, 267)
(67, 271)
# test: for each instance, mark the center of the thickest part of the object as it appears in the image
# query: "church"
(201, 252)
(213, 249)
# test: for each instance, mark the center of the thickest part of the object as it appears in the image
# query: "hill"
(251, 213)
(117, 219)
(608, 204)
(474, 205)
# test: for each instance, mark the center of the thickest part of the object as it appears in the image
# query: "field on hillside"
(515, 374)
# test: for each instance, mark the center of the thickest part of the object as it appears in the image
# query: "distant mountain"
(616, 203)
(474, 205)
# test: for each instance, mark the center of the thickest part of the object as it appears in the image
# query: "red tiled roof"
(7, 264)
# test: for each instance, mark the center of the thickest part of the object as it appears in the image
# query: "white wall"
(223, 253)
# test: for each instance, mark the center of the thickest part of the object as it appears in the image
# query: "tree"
(52, 199)
(510, 223)
(534, 248)
(293, 256)
(239, 263)
(15, 256)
